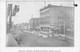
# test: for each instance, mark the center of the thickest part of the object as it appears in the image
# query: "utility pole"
(10, 21)
(32, 16)
(45, 3)
(10, 14)
(64, 27)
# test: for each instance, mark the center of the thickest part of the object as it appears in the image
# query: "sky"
(30, 10)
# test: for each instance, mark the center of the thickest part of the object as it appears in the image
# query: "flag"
(16, 8)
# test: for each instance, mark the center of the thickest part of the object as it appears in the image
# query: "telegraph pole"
(64, 27)
(10, 14)
(45, 3)
(10, 21)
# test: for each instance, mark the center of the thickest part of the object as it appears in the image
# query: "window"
(58, 17)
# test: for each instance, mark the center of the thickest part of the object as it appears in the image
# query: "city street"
(44, 26)
(31, 40)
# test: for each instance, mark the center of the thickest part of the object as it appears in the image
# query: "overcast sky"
(30, 10)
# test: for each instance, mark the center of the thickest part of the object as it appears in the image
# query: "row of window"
(59, 17)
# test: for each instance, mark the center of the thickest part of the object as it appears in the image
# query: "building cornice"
(49, 5)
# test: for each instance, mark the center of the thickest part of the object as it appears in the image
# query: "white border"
(3, 47)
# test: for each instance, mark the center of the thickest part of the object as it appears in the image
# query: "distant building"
(37, 23)
(22, 26)
(55, 16)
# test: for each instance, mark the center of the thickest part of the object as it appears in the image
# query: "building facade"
(58, 17)
(37, 23)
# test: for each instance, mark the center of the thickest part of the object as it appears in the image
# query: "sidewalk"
(11, 42)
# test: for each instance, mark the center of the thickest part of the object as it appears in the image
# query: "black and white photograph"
(40, 24)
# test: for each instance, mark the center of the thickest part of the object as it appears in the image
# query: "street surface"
(11, 41)
(31, 40)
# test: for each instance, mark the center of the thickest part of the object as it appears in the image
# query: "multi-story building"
(58, 14)
(37, 23)
(55, 16)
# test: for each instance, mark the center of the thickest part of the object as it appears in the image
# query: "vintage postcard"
(50, 25)
(40, 24)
